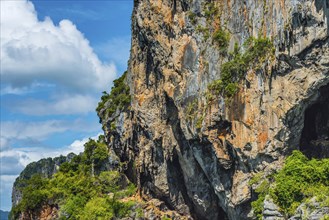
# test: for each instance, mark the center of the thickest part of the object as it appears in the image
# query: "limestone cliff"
(195, 153)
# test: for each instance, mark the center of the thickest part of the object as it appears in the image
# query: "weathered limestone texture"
(199, 162)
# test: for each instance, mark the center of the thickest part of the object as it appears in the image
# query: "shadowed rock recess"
(219, 91)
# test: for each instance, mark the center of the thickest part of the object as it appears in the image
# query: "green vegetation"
(36, 167)
(192, 110)
(222, 39)
(113, 126)
(257, 52)
(258, 205)
(119, 97)
(140, 213)
(299, 180)
(210, 10)
(34, 193)
(256, 178)
(192, 17)
(79, 188)
(211, 13)
(325, 217)
(199, 121)
(204, 31)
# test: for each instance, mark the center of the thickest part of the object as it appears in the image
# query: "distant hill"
(4, 215)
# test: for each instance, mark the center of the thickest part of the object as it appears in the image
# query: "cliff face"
(198, 154)
(220, 92)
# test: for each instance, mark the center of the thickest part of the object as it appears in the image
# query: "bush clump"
(204, 30)
(191, 110)
(80, 191)
(257, 52)
(192, 17)
(119, 97)
(210, 10)
(300, 180)
(222, 39)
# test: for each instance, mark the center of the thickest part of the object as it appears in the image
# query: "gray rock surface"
(271, 211)
(311, 210)
(200, 164)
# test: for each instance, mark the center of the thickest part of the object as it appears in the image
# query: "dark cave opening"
(314, 140)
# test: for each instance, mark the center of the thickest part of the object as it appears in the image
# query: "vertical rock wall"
(200, 164)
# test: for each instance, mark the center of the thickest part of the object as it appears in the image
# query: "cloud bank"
(33, 50)
(51, 81)
(13, 161)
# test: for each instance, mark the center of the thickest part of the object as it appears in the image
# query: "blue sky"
(56, 59)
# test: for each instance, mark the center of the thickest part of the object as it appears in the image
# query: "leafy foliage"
(210, 10)
(199, 121)
(299, 180)
(192, 17)
(35, 192)
(95, 152)
(204, 30)
(258, 205)
(192, 110)
(257, 51)
(80, 193)
(119, 97)
(221, 38)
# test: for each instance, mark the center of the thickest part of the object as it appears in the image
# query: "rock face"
(271, 211)
(200, 164)
(47, 212)
(312, 210)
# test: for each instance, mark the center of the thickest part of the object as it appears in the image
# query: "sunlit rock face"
(199, 161)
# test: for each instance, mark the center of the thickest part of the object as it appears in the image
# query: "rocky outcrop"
(46, 212)
(199, 162)
(312, 210)
(271, 211)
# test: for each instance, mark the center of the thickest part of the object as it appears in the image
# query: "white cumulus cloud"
(42, 129)
(48, 70)
(36, 51)
(13, 161)
(66, 104)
